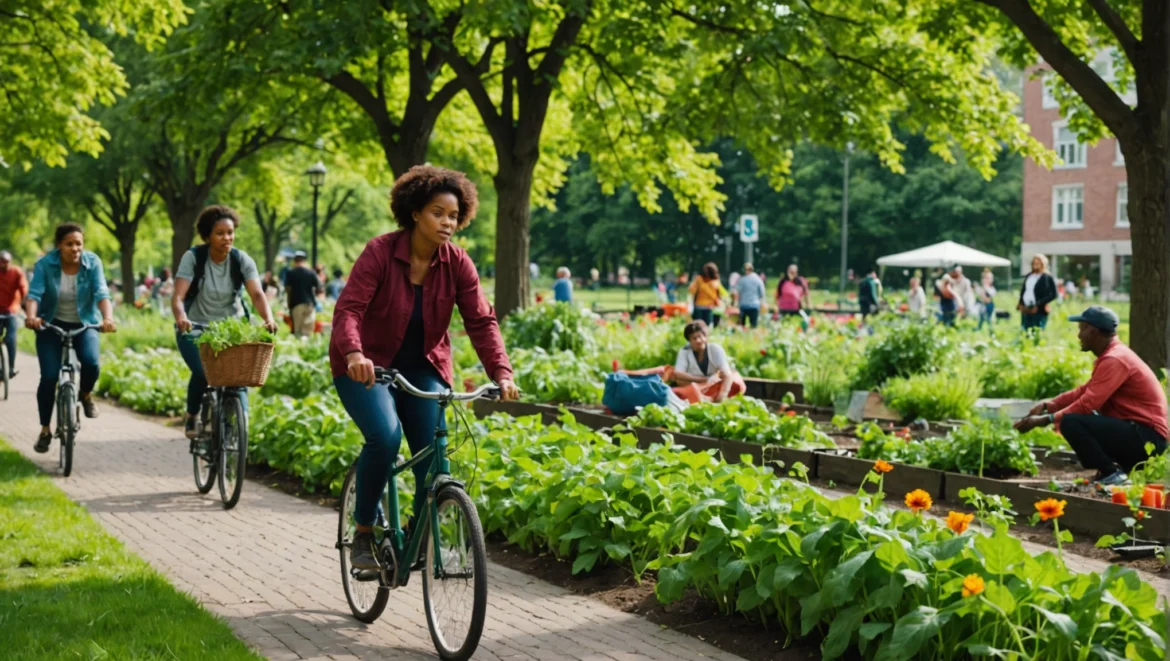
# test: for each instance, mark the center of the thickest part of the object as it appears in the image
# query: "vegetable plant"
(231, 332)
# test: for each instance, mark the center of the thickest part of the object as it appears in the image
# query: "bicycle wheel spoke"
(455, 589)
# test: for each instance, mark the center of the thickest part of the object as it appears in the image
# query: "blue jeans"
(1038, 320)
(383, 415)
(946, 308)
(197, 384)
(751, 315)
(8, 330)
(49, 346)
(987, 315)
(704, 314)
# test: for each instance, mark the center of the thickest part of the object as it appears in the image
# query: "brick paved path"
(269, 567)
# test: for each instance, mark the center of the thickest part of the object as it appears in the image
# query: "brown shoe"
(89, 407)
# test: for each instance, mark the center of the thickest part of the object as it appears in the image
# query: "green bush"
(738, 419)
(153, 381)
(877, 444)
(561, 377)
(829, 372)
(296, 377)
(1004, 452)
(945, 395)
(552, 327)
(904, 348)
(312, 438)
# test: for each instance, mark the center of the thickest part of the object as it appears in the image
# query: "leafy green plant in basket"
(231, 332)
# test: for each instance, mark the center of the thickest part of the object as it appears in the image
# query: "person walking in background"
(792, 293)
(1109, 420)
(13, 289)
(964, 292)
(948, 301)
(869, 293)
(916, 299)
(563, 286)
(704, 290)
(333, 287)
(749, 294)
(301, 287)
(986, 293)
(1036, 295)
(1086, 288)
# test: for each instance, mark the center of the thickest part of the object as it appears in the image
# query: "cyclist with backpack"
(207, 289)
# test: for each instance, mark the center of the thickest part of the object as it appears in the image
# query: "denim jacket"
(91, 286)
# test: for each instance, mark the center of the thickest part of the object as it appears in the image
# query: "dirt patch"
(691, 615)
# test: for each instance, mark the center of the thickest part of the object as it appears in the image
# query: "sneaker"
(363, 553)
(89, 407)
(43, 441)
(1115, 479)
(191, 427)
(13, 373)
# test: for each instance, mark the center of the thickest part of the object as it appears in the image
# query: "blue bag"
(625, 393)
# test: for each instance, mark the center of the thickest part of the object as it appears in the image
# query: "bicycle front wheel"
(364, 590)
(455, 575)
(4, 369)
(233, 450)
(66, 426)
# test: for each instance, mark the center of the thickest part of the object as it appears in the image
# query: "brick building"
(1076, 213)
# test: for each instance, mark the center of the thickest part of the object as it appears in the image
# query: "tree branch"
(347, 84)
(1116, 24)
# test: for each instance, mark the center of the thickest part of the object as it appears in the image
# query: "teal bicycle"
(454, 569)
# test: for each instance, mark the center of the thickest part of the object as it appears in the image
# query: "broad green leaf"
(1063, 623)
(915, 628)
(892, 555)
(787, 572)
(748, 600)
(617, 550)
(764, 582)
(917, 579)
(871, 630)
(573, 453)
(585, 561)
(998, 594)
(730, 572)
(838, 585)
(1000, 552)
(841, 631)
(672, 582)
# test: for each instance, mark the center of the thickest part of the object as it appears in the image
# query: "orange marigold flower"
(1051, 508)
(790, 413)
(958, 522)
(972, 585)
(882, 466)
(918, 500)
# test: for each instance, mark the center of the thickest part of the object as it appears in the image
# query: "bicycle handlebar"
(70, 333)
(394, 378)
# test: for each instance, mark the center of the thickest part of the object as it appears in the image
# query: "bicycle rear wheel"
(66, 426)
(233, 450)
(364, 590)
(206, 464)
(455, 576)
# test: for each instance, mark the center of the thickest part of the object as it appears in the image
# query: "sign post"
(749, 233)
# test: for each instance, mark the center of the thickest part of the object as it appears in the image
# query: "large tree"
(54, 67)
(1069, 35)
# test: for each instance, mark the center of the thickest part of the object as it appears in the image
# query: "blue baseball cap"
(1098, 316)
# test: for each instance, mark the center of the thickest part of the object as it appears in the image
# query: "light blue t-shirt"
(216, 300)
(563, 290)
(751, 291)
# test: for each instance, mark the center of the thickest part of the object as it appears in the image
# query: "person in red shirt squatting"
(13, 289)
(394, 313)
(1109, 420)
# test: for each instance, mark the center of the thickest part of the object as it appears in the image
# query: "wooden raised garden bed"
(774, 390)
(844, 469)
(1095, 516)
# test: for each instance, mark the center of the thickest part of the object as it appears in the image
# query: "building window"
(1048, 102)
(1068, 148)
(1123, 205)
(1068, 207)
(1118, 157)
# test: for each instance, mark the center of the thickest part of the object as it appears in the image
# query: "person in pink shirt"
(1110, 420)
(792, 293)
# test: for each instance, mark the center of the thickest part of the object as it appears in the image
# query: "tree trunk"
(409, 150)
(514, 191)
(127, 235)
(183, 232)
(1149, 281)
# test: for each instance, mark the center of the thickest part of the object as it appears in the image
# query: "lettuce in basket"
(231, 332)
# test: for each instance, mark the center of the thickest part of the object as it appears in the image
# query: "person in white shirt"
(964, 292)
(917, 299)
(702, 368)
(986, 292)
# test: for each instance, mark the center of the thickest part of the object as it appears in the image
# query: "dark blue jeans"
(383, 415)
(749, 317)
(197, 384)
(1038, 320)
(987, 316)
(704, 314)
(49, 346)
(8, 330)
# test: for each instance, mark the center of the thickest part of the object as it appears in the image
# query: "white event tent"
(944, 255)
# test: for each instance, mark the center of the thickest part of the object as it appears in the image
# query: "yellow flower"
(972, 585)
(881, 466)
(918, 500)
(958, 522)
(1051, 508)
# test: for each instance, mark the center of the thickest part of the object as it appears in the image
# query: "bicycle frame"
(439, 475)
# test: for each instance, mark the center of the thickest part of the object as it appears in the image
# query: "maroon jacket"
(374, 309)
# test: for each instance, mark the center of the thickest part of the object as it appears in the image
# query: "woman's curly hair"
(212, 215)
(421, 183)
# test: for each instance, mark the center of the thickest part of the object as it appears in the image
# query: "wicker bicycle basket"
(241, 366)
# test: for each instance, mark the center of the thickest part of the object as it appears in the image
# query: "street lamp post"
(845, 220)
(316, 174)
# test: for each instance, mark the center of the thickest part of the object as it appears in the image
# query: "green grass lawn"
(68, 590)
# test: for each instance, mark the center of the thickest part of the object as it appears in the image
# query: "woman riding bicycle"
(69, 288)
(394, 313)
(207, 289)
